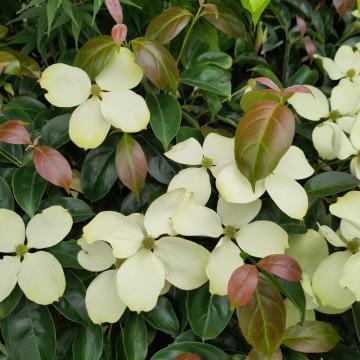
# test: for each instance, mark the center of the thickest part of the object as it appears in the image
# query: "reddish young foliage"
(281, 265)
(115, 10)
(242, 285)
(188, 356)
(267, 82)
(118, 33)
(14, 132)
(343, 6)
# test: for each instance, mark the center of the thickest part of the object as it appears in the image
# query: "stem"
(186, 38)
(226, 120)
(9, 158)
(190, 120)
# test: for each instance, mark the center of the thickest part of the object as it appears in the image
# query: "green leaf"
(6, 196)
(29, 332)
(168, 24)
(10, 303)
(98, 173)
(262, 319)
(209, 78)
(3, 31)
(216, 58)
(64, 338)
(95, 54)
(88, 342)
(28, 188)
(311, 337)
(356, 316)
(304, 75)
(251, 98)
(157, 63)
(256, 8)
(263, 70)
(165, 117)
(208, 314)
(262, 137)
(55, 132)
(51, 8)
(163, 317)
(78, 209)
(72, 304)
(68, 7)
(135, 337)
(205, 351)
(66, 253)
(96, 7)
(9, 64)
(330, 183)
(28, 66)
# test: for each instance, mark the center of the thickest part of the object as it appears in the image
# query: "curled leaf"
(14, 132)
(118, 33)
(267, 82)
(115, 10)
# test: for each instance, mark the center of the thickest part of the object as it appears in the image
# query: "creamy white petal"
(41, 278)
(9, 268)
(350, 275)
(157, 219)
(323, 137)
(188, 152)
(262, 238)
(223, 261)
(347, 59)
(66, 85)
(288, 195)
(184, 262)
(345, 97)
(125, 110)
(355, 133)
(12, 231)
(96, 256)
(195, 180)
(313, 106)
(234, 187)
(237, 215)
(124, 236)
(294, 164)
(355, 166)
(48, 228)
(331, 310)
(349, 231)
(330, 67)
(308, 250)
(326, 278)
(102, 301)
(293, 315)
(216, 170)
(88, 127)
(346, 123)
(310, 298)
(218, 148)
(138, 219)
(347, 207)
(140, 280)
(197, 220)
(121, 73)
(331, 236)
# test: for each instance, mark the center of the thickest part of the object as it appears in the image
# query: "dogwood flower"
(329, 137)
(109, 102)
(345, 64)
(216, 152)
(234, 187)
(149, 257)
(38, 273)
(355, 142)
(231, 221)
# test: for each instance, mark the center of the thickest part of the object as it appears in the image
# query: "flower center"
(148, 242)
(95, 90)
(118, 263)
(334, 114)
(21, 250)
(206, 163)
(351, 73)
(353, 245)
(230, 231)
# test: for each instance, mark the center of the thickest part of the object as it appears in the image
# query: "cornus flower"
(38, 273)
(355, 142)
(260, 238)
(148, 257)
(329, 137)
(108, 102)
(216, 152)
(234, 187)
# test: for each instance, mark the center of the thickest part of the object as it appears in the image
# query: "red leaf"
(281, 265)
(131, 164)
(257, 355)
(343, 6)
(267, 82)
(301, 25)
(115, 10)
(52, 166)
(296, 89)
(242, 285)
(309, 46)
(188, 356)
(14, 132)
(118, 33)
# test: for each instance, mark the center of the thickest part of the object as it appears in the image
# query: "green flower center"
(230, 231)
(95, 90)
(334, 114)
(353, 245)
(21, 250)
(118, 263)
(148, 242)
(206, 163)
(351, 73)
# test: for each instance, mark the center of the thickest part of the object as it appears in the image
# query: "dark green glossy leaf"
(10, 303)
(98, 173)
(330, 183)
(208, 314)
(28, 188)
(65, 334)
(55, 133)
(163, 317)
(88, 342)
(356, 316)
(255, 7)
(6, 196)
(26, 103)
(216, 58)
(135, 337)
(165, 117)
(304, 75)
(66, 252)
(29, 332)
